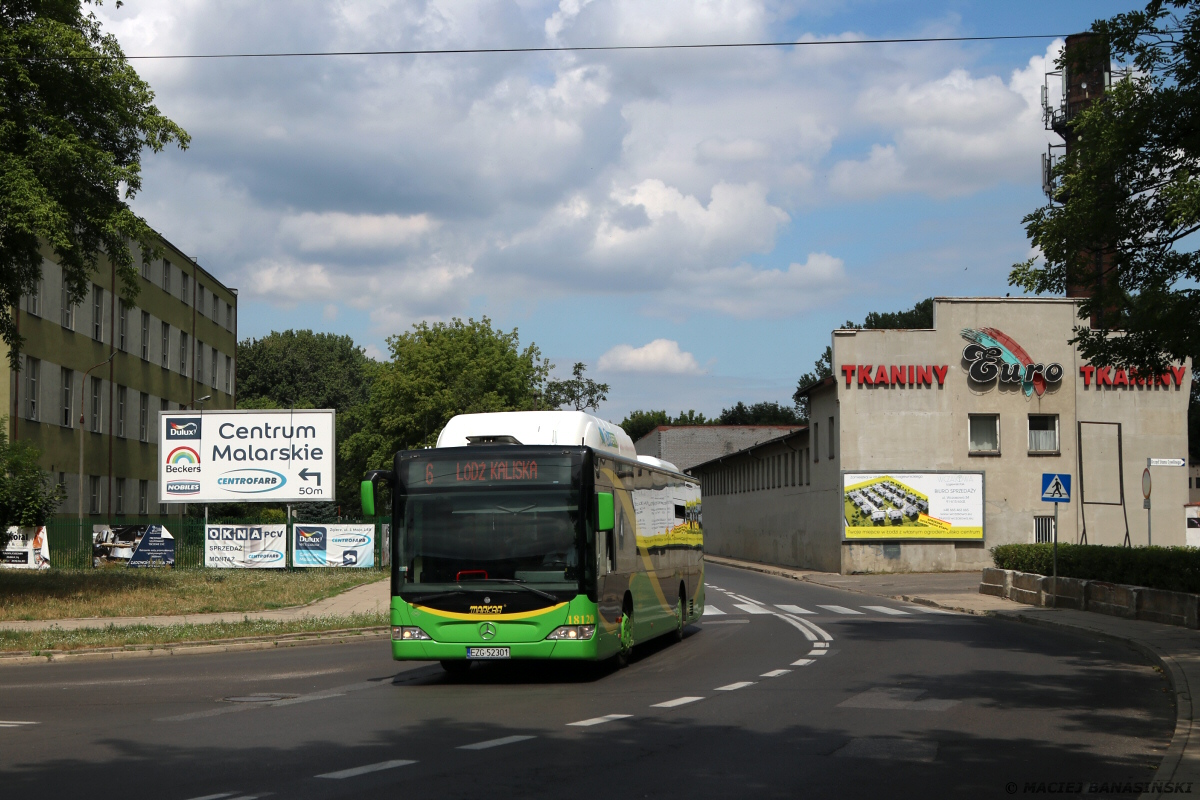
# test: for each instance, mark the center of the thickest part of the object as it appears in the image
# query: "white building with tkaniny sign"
(926, 448)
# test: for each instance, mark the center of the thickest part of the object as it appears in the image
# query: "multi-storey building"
(173, 347)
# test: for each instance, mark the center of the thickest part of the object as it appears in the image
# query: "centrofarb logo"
(183, 428)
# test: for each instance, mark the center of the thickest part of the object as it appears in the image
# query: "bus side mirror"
(605, 519)
(368, 498)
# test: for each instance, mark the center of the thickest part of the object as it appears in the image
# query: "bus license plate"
(487, 652)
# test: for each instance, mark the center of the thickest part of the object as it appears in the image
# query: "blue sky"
(689, 224)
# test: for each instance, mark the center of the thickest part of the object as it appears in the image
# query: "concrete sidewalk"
(373, 597)
(1176, 649)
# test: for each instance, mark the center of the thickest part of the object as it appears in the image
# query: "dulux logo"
(994, 354)
(310, 538)
(350, 540)
(183, 487)
(182, 428)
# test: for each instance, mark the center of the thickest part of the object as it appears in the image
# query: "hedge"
(1175, 569)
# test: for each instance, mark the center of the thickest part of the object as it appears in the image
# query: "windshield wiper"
(437, 595)
(521, 585)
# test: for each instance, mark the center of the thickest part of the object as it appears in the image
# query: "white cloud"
(749, 292)
(660, 355)
(326, 231)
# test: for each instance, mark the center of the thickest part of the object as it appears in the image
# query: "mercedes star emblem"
(487, 631)
(487, 599)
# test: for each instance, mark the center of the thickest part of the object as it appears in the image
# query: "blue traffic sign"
(1056, 487)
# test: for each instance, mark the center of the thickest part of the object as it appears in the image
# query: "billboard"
(155, 548)
(246, 456)
(333, 545)
(245, 546)
(27, 548)
(946, 506)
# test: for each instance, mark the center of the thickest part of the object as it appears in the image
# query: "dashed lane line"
(729, 687)
(368, 768)
(818, 653)
(793, 609)
(587, 723)
(12, 723)
(840, 610)
(490, 743)
(751, 608)
(775, 673)
(895, 612)
(803, 662)
(678, 701)
(220, 796)
(713, 611)
(821, 644)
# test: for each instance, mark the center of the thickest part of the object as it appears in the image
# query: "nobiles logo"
(183, 487)
(179, 428)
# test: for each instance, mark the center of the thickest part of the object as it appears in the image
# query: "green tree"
(27, 498)
(577, 391)
(74, 120)
(638, 423)
(765, 413)
(1130, 196)
(303, 369)
(435, 372)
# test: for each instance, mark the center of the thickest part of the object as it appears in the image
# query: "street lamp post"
(82, 430)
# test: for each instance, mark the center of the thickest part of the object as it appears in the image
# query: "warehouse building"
(173, 347)
(926, 448)
(688, 445)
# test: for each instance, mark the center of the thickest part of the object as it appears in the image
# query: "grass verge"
(56, 639)
(63, 594)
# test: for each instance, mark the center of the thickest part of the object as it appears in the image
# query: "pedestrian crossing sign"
(1056, 488)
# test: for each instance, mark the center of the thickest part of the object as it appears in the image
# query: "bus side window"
(611, 552)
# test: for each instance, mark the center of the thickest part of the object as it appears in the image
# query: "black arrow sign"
(305, 475)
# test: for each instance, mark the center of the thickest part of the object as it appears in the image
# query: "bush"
(1175, 569)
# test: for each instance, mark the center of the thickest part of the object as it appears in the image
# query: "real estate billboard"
(946, 506)
(246, 456)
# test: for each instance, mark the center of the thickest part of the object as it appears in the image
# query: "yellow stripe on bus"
(484, 617)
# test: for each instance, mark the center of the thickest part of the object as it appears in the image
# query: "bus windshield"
(529, 535)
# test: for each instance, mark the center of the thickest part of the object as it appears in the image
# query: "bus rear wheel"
(455, 667)
(680, 617)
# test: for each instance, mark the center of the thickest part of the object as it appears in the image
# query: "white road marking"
(587, 723)
(885, 610)
(775, 673)
(490, 743)
(928, 610)
(814, 627)
(750, 608)
(356, 771)
(802, 662)
(729, 687)
(713, 611)
(12, 723)
(821, 644)
(793, 609)
(728, 622)
(818, 653)
(678, 701)
(840, 610)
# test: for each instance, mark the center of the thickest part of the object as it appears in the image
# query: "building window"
(68, 378)
(816, 442)
(984, 434)
(93, 494)
(34, 303)
(1043, 529)
(146, 268)
(214, 307)
(214, 367)
(184, 286)
(68, 308)
(145, 336)
(143, 496)
(97, 313)
(200, 361)
(33, 369)
(122, 326)
(1043, 433)
(228, 317)
(831, 442)
(166, 346)
(120, 498)
(143, 416)
(807, 472)
(228, 374)
(166, 283)
(96, 405)
(183, 353)
(121, 391)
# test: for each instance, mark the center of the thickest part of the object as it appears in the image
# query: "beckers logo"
(179, 428)
(183, 455)
(183, 487)
(994, 354)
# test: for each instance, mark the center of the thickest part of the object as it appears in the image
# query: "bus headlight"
(572, 632)
(407, 633)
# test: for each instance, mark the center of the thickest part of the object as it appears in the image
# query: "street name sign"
(1056, 487)
(246, 456)
(1166, 462)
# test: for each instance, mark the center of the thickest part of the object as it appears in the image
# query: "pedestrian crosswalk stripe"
(885, 610)
(749, 608)
(840, 610)
(713, 611)
(793, 609)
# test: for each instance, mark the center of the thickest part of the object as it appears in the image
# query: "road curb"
(1172, 761)
(341, 636)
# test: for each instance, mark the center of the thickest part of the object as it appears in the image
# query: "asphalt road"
(762, 700)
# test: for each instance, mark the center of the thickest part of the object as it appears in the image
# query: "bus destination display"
(444, 473)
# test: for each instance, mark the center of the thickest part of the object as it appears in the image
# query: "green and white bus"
(538, 534)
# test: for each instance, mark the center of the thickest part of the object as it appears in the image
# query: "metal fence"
(70, 540)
